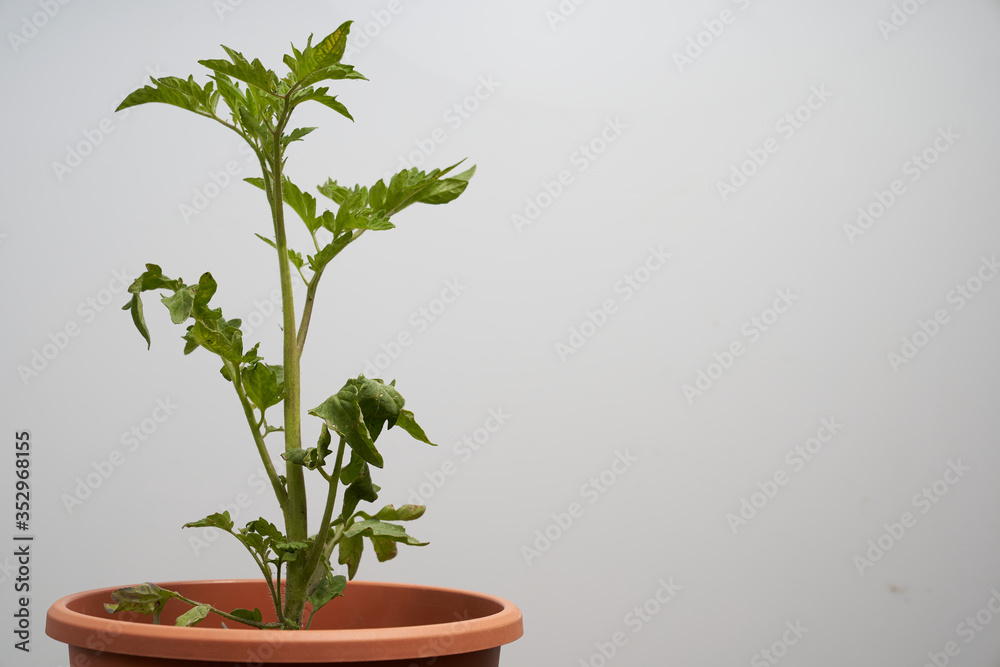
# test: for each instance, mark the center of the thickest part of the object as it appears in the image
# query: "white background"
(682, 129)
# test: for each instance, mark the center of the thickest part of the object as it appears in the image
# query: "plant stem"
(296, 516)
(331, 498)
(265, 457)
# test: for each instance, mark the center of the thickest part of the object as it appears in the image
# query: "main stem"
(296, 517)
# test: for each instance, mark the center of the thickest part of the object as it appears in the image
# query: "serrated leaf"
(326, 53)
(193, 615)
(334, 191)
(303, 203)
(183, 93)
(252, 73)
(296, 134)
(218, 520)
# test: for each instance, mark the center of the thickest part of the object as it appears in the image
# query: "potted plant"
(244, 621)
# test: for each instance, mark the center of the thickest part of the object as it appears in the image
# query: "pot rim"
(167, 641)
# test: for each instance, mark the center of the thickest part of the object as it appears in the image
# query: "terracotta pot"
(373, 625)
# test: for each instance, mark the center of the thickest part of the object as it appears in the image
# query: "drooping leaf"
(380, 403)
(193, 615)
(135, 305)
(342, 414)
(383, 536)
(329, 587)
(248, 615)
(351, 549)
(147, 598)
(408, 424)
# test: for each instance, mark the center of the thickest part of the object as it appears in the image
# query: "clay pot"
(373, 625)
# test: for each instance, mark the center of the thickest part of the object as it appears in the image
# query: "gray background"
(671, 134)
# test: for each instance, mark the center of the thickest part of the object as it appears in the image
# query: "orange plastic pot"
(373, 625)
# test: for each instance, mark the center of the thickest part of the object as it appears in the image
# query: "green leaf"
(380, 403)
(135, 305)
(183, 93)
(330, 101)
(408, 424)
(351, 549)
(360, 489)
(342, 413)
(248, 615)
(383, 536)
(179, 304)
(223, 338)
(217, 520)
(145, 598)
(446, 190)
(151, 279)
(303, 203)
(263, 384)
(296, 134)
(404, 513)
(253, 73)
(329, 587)
(304, 65)
(334, 191)
(311, 458)
(193, 615)
(203, 294)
